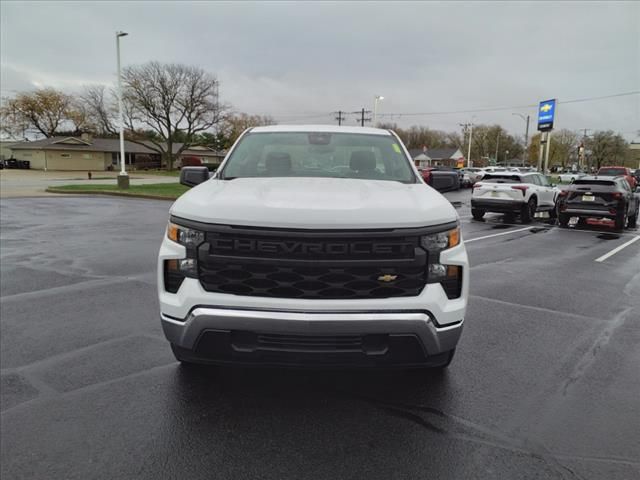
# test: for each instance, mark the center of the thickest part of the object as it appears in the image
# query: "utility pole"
(497, 145)
(340, 118)
(362, 118)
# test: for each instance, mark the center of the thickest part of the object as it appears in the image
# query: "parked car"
(523, 194)
(599, 197)
(280, 262)
(570, 176)
(471, 175)
(441, 178)
(615, 171)
(636, 175)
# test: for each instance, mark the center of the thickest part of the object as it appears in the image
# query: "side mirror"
(192, 176)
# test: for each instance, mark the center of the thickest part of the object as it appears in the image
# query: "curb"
(112, 194)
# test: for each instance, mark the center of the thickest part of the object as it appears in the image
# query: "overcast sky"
(299, 61)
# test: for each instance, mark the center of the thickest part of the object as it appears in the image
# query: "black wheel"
(553, 213)
(529, 210)
(563, 220)
(633, 221)
(477, 214)
(620, 221)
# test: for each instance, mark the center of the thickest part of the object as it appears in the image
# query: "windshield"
(611, 171)
(594, 182)
(319, 154)
(502, 179)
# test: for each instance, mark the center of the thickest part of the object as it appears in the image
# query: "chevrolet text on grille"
(289, 247)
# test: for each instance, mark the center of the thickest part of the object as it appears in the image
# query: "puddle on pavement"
(538, 229)
(608, 236)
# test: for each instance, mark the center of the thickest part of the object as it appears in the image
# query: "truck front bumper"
(222, 335)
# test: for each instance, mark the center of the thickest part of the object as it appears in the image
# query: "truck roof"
(321, 128)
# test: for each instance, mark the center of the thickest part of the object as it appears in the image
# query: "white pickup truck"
(313, 245)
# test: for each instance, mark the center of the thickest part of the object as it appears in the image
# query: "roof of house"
(106, 145)
(442, 153)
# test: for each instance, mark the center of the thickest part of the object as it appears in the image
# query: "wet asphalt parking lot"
(545, 383)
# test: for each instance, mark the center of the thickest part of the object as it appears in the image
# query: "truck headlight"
(449, 276)
(188, 237)
(176, 270)
(436, 242)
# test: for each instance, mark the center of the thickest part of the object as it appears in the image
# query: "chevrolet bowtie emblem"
(387, 278)
(545, 108)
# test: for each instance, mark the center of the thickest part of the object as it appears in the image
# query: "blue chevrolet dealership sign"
(546, 115)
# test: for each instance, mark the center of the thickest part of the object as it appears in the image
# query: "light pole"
(123, 178)
(376, 99)
(526, 138)
(506, 157)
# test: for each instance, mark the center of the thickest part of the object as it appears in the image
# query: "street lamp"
(376, 99)
(526, 137)
(506, 157)
(123, 178)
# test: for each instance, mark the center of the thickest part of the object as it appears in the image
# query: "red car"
(618, 171)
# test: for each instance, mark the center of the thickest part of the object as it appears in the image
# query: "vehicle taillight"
(616, 195)
(522, 188)
(474, 186)
(563, 193)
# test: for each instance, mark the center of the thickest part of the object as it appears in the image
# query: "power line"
(311, 115)
(512, 107)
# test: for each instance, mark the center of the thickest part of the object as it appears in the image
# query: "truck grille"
(289, 265)
(310, 281)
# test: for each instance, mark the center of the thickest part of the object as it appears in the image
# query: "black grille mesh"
(310, 282)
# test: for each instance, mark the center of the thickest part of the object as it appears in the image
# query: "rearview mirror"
(192, 176)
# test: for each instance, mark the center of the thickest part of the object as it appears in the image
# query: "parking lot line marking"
(617, 249)
(497, 234)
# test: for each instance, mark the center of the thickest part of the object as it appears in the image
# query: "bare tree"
(171, 100)
(44, 111)
(233, 125)
(564, 146)
(607, 148)
(101, 109)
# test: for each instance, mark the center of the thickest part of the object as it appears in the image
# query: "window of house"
(87, 156)
(65, 155)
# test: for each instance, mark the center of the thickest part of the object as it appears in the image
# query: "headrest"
(362, 161)
(278, 162)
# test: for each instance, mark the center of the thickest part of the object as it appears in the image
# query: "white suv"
(313, 245)
(512, 192)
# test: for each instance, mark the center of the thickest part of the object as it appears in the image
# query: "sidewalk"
(32, 183)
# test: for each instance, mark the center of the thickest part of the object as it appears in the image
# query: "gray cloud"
(290, 59)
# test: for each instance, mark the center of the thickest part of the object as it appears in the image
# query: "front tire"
(633, 221)
(563, 220)
(477, 213)
(529, 210)
(620, 221)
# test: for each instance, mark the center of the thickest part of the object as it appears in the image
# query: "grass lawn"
(160, 190)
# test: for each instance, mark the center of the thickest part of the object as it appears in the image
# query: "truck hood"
(314, 203)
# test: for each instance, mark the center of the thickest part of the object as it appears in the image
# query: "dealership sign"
(546, 115)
